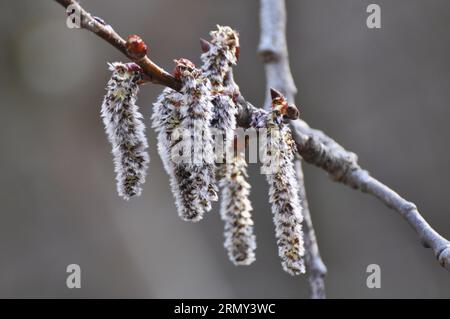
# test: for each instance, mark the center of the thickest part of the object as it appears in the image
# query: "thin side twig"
(154, 73)
(273, 49)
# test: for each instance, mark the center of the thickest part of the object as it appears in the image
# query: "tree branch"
(318, 149)
(314, 146)
(273, 49)
(342, 166)
(314, 264)
(154, 73)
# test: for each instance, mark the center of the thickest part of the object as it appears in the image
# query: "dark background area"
(381, 93)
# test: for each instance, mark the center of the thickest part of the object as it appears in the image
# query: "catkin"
(235, 209)
(182, 121)
(219, 57)
(283, 187)
(220, 54)
(125, 129)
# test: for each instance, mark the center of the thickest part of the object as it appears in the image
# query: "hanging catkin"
(235, 211)
(125, 130)
(283, 185)
(182, 120)
(218, 57)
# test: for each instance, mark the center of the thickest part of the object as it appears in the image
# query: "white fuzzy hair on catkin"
(221, 55)
(217, 64)
(283, 190)
(178, 115)
(125, 129)
(235, 211)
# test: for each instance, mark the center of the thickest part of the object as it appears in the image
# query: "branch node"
(268, 55)
(408, 208)
(444, 257)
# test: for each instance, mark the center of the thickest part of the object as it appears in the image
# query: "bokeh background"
(383, 94)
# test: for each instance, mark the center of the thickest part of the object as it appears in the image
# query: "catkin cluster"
(188, 123)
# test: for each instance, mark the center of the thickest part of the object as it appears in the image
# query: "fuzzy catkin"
(217, 64)
(221, 55)
(235, 209)
(283, 191)
(184, 117)
(283, 195)
(166, 121)
(125, 129)
(218, 60)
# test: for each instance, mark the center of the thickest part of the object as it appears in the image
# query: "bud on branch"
(136, 48)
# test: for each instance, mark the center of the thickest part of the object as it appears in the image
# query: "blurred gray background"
(383, 94)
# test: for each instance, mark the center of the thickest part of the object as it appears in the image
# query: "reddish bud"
(205, 45)
(275, 94)
(292, 112)
(133, 67)
(135, 46)
(279, 102)
(237, 52)
(180, 65)
(182, 62)
(177, 72)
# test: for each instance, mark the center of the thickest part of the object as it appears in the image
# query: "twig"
(315, 267)
(154, 73)
(273, 50)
